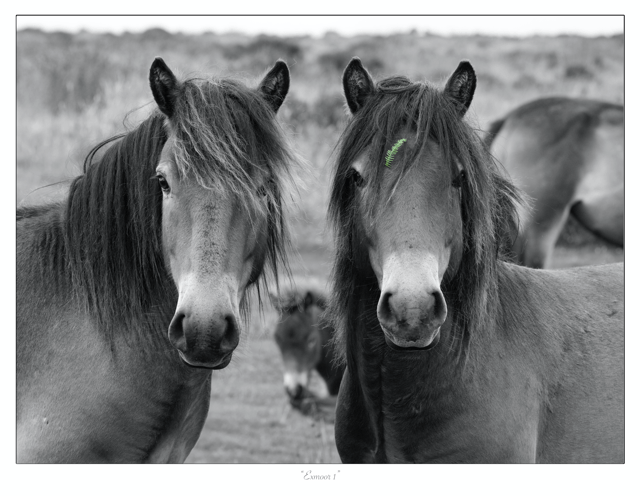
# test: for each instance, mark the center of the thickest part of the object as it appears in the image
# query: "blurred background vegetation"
(75, 90)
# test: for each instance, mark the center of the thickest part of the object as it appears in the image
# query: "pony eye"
(357, 178)
(164, 185)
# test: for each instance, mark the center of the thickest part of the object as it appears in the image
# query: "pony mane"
(112, 232)
(224, 132)
(488, 205)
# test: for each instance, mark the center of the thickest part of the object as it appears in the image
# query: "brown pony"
(567, 155)
(304, 336)
(452, 353)
(130, 292)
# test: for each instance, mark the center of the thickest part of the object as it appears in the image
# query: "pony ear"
(357, 84)
(461, 86)
(163, 86)
(275, 85)
(308, 300)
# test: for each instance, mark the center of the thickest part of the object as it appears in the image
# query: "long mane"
(488, 206)
(111, 252)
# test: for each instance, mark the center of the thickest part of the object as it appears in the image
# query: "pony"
(452, 353)
(303, 335)
(567, 156)
(131, 290)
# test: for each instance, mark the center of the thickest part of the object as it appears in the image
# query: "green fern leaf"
(392, 153)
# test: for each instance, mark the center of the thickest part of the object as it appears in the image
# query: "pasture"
(74, 89)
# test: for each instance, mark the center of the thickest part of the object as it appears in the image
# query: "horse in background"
(130, 292)
(453, 354)
(567, 156)
(304, 336)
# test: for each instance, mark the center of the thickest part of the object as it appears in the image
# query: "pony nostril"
(431, 310)
(219, 336)
(295, 393)
(176, 332)
(439, 307)
(384, 307)
(230, 336)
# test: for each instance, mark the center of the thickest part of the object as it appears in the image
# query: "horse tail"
(494, 129)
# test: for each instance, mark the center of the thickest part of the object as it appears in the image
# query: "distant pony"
(130, 291)
(303, 335)
(452, 353)
(567, 155)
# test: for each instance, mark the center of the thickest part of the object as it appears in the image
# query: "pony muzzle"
(411, 322)
(204, 340)
(295, 383)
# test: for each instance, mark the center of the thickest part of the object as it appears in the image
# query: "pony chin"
(401, 344)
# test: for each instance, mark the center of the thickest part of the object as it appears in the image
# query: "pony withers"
(304, 336)
(567, 155)
(130, 292)
(452, 353)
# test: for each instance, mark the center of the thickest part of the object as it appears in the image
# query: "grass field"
(76, 90)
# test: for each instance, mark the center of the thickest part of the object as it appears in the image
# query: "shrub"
(577, 71)
(75, 80)
(265, 48)
(329, 110)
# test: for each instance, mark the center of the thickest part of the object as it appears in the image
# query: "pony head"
(220, 173)
(415, 207)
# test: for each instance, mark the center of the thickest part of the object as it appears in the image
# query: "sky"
(345, 25)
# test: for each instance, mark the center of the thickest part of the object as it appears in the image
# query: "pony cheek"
(249, 274)
(451, 265)
(173, 264)
(370, 255)
(443, 262)
(375, 260)
(253, 263)
(175, 240)
(453, 245)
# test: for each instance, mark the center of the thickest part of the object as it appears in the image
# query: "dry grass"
(250, 420)
(75, 90)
